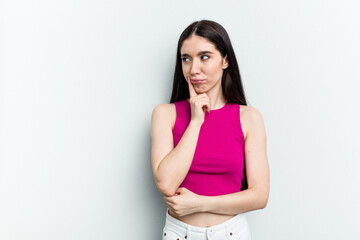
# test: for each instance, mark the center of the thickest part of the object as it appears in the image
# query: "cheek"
(185, 71)
(213, 71)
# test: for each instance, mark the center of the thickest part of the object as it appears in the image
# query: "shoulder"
(164, 112)
(250, 112)
(250, 118)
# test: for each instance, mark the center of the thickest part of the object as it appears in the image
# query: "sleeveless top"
(218, 162)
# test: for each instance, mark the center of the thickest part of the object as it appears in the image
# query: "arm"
(257, 171)
(170, 165)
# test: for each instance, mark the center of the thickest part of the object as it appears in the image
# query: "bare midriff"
(203, 219)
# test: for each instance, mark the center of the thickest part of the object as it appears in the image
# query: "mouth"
(196, 81)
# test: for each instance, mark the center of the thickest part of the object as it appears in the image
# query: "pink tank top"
(217, 166)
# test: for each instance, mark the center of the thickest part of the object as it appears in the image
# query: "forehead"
(195, 44)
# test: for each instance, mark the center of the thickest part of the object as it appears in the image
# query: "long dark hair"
(231, 83)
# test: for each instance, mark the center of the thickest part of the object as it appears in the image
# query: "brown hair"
(231, 83)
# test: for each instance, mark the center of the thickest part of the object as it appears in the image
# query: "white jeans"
(236, 228)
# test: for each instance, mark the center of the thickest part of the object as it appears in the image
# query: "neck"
(217, 102)
(217, 99)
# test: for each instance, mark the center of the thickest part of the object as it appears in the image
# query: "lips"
(196, 81)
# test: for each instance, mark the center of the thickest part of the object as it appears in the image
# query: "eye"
(184, 59)
(205, 57)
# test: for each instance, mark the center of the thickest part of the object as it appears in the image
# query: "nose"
(195, 67)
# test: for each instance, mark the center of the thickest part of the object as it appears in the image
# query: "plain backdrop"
(79, 81)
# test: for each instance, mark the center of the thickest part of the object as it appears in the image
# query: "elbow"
(165, 190)
(264, 201)
(168, 193)
(259, 197)
(263, 204)
(262, 197)
(164, 186)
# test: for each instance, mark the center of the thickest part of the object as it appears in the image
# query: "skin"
(191, 208)
(201, 60)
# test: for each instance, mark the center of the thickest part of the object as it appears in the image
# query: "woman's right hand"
(199, 104)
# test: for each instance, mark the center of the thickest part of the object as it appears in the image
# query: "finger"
(192, 91)
(168, 199)
(206, 98)
(207, 101)
(170, 205)
(172, 211)
(205, 105)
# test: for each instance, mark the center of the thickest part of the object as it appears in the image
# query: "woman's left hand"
(184, 202)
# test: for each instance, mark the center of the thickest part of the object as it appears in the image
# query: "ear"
(225, 62)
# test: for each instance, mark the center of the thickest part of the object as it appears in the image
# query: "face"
(203, 62)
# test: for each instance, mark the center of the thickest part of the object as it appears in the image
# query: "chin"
(200, 90)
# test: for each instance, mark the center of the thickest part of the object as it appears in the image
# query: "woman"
(208, 147)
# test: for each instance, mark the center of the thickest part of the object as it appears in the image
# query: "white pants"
(236, 228)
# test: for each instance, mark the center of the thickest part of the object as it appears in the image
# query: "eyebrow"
(200, 53)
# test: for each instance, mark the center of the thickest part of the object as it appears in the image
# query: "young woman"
(208, 155)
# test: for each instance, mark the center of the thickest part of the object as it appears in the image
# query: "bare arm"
(171, 165)
(257, 171)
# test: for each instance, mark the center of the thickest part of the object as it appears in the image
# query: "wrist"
(195, 123)
(205, 202)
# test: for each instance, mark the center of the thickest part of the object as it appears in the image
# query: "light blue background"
(79, 80)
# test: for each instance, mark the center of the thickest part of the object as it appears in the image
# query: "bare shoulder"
(164, 112)
(250, 112)
(250, 118)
